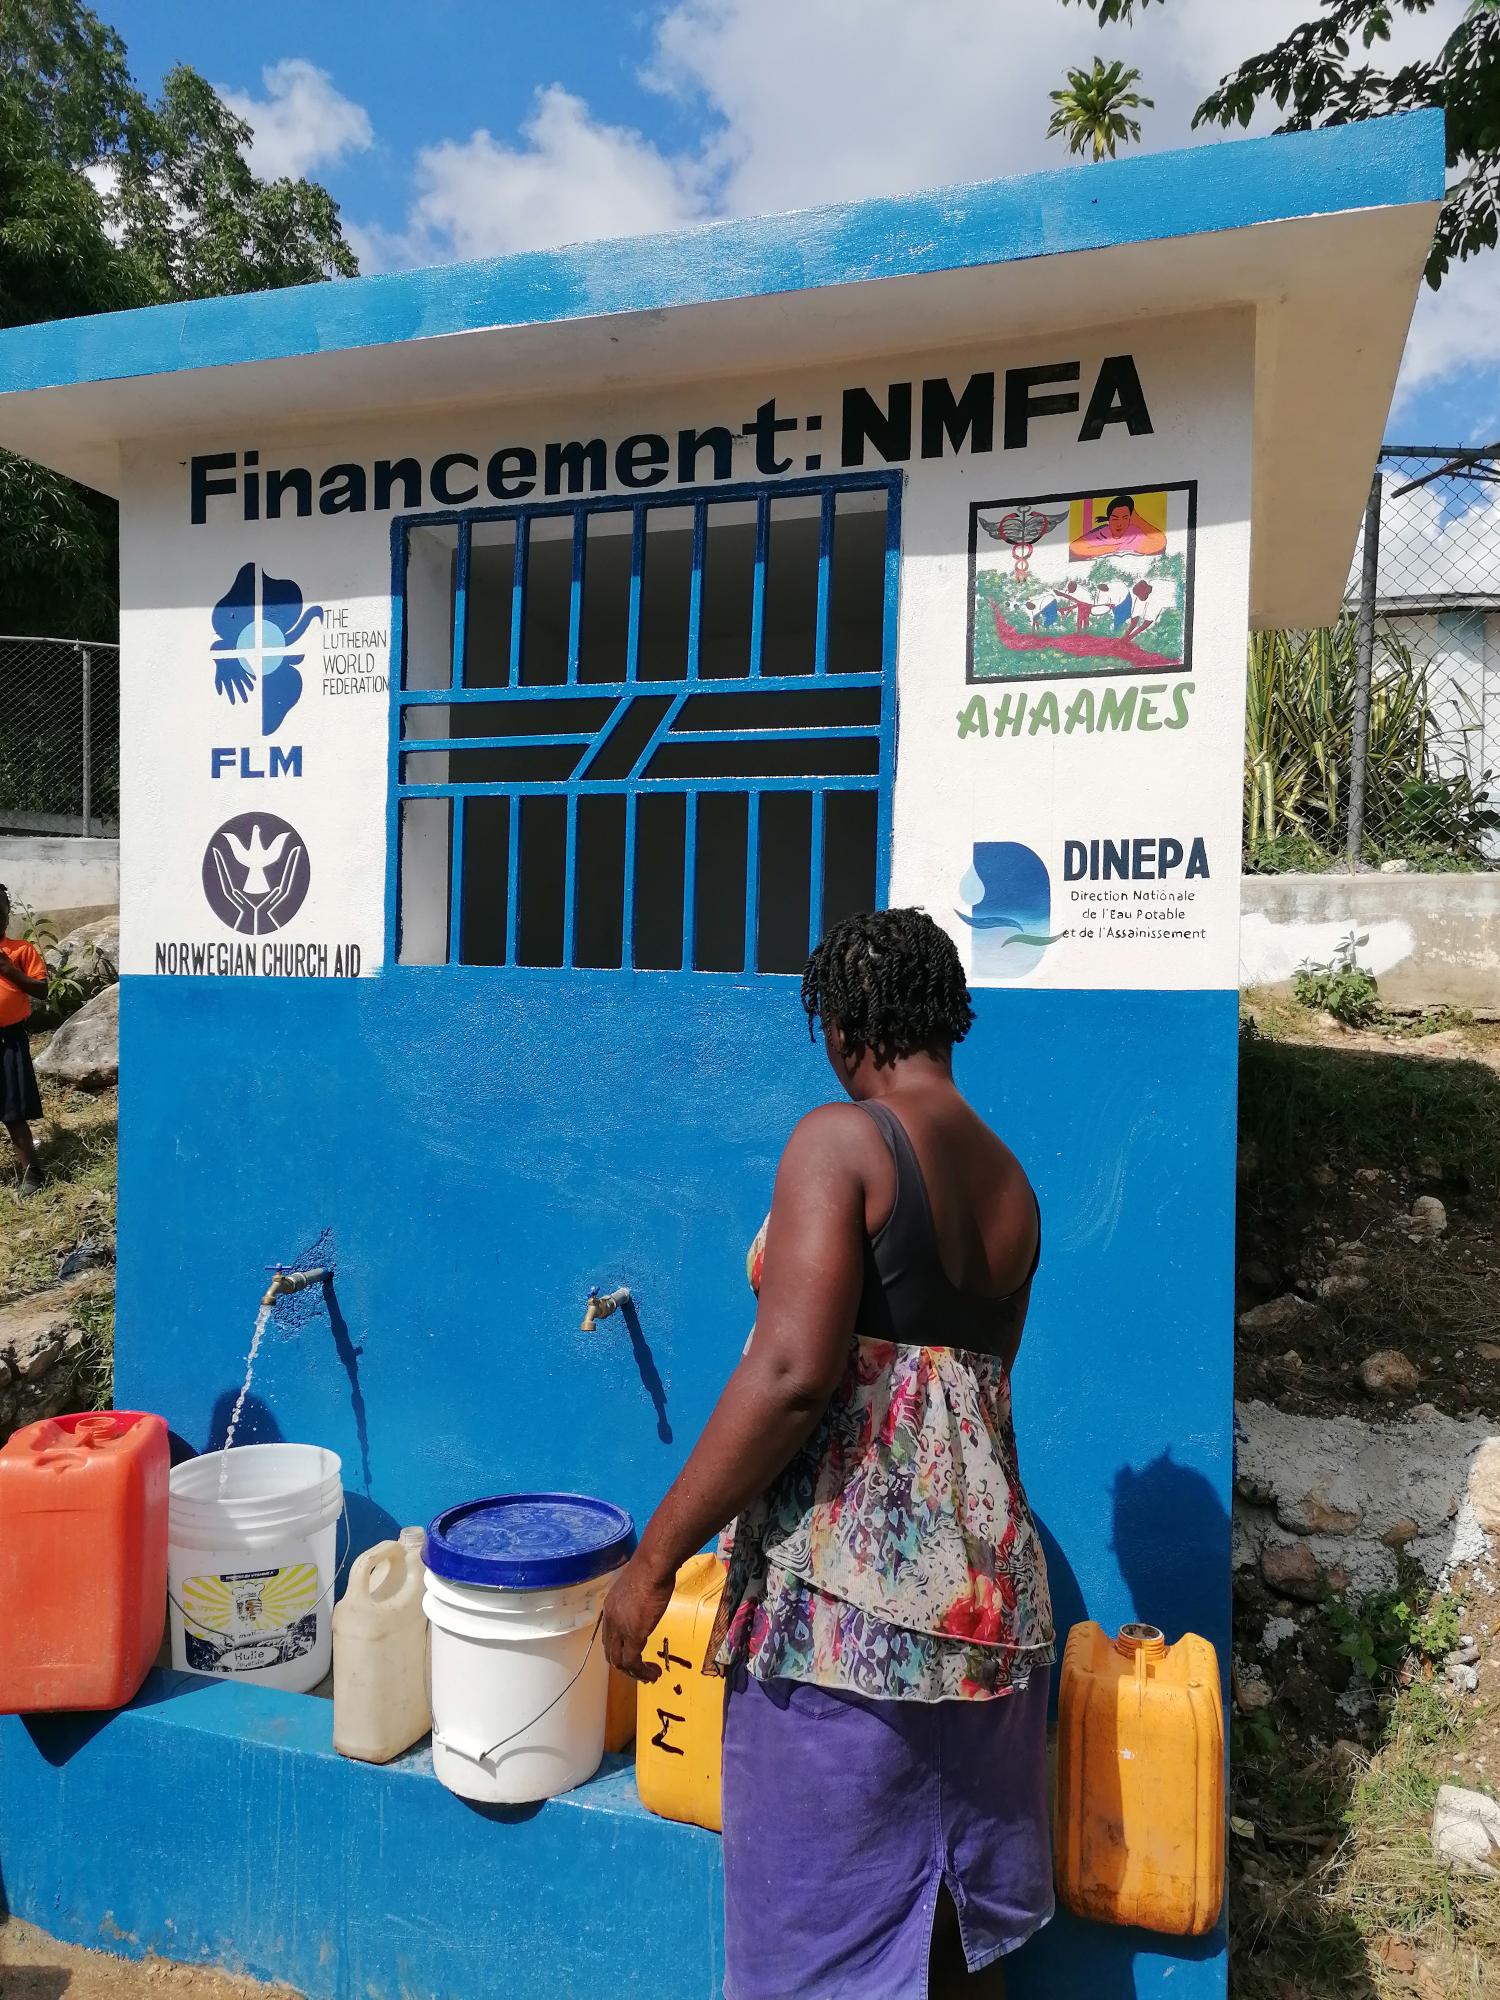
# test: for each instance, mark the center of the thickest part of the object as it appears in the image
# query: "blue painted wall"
(474, 1149)
(212, 1823)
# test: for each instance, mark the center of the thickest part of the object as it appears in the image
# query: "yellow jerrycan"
(619, 1712)
(1139, 1831)
(679, 1723)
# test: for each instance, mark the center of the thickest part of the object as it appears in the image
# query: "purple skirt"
(843, 1817)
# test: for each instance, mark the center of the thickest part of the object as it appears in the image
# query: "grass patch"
(78, 1149)
(1303, 1103)
(1339, 1896)
(95, 1381)
(1392, 1885)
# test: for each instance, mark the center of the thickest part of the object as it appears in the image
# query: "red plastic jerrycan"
(83, 1559)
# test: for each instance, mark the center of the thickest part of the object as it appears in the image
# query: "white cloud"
(1456, 327)
(1438, 540)
(571, 177)
(103, 176)
(808, 101)
(301, 123)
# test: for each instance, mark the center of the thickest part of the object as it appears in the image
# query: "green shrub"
(1342, 987)
(1299, 750)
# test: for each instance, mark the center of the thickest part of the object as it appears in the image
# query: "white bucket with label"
(515, 1588)
(251, 1570)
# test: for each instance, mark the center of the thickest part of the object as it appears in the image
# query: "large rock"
(1484, 1486)
(41, 1345)
(84, 1054)
(93, 947)
(1351, 1491)
(1293, 1571)
(1288, 1315)
(1389, 1372)
(1466, 1831)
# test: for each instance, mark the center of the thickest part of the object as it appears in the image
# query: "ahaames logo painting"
(256, 873)
(1009, 893)
(258, 623)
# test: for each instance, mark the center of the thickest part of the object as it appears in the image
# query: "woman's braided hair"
(891, 982)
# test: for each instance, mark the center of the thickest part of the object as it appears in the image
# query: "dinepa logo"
(255, 873)
(1009, 893)
(258, 623)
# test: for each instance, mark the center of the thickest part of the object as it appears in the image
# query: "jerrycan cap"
(529, 1541)
(75, 1438)
(1137, 1638)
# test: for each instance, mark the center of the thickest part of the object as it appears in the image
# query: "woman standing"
(886, 1626)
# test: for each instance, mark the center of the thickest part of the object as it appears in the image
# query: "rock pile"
(1325, 1507)
(41, 1347)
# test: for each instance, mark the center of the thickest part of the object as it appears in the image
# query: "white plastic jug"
(251, 1570)
(380, 1705)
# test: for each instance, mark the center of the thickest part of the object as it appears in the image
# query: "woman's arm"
(809, 1295)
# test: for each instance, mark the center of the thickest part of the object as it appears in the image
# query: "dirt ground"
(1334, 1891)
(36, 1967)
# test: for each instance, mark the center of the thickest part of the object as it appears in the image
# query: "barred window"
(643, 735)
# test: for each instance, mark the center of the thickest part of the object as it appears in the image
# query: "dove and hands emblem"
(255, 873)
(257, 625)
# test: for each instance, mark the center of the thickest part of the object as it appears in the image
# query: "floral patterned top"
(896, 1555)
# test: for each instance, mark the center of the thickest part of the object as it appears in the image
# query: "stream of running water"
(262, 1321)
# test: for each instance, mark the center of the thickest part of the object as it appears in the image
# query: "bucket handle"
(483, 1756)
(338, 1570)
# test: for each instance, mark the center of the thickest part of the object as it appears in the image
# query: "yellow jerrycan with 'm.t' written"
(1139, 1832)
(679, 1726)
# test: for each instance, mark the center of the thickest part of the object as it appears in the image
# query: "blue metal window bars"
(635, 734)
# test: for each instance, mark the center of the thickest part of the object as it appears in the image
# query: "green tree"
(1321, 74)
(108, 201)
(1093, 108)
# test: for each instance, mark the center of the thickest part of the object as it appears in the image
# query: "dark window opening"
(719, 673)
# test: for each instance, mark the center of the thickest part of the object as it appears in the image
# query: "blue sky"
(457, 128)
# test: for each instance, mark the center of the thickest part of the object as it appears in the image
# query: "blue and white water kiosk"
(520, 663)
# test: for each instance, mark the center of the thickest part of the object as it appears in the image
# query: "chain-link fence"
(59, 736)
(1427, 604)
(1375, 742)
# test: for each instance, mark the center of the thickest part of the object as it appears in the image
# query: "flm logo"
(1009, 893)
(256, 873)
(258, 623)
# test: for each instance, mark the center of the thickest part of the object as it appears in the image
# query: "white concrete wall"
(1173, 776)
(1430, 940)
(1461, 651)
(46, 873)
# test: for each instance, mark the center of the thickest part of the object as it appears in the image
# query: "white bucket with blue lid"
(515, 1588)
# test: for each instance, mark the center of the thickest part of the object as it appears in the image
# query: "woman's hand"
(632, 1612)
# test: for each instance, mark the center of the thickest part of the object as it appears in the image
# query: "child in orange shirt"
(23, 978)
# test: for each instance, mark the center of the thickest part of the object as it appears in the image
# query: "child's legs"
(25, 1145)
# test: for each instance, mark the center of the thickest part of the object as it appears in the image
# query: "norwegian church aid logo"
(259, 625)
(256, 873)
(1009, 893)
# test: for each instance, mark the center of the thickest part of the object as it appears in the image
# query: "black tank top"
(908, 1296)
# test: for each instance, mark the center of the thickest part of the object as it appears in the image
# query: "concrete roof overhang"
(1322, 234)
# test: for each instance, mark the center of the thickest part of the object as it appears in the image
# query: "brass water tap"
(601, 1305)
(284, 1281)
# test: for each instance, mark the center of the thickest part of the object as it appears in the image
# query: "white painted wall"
(1460, 648)
(1039, 788)
(46, 872)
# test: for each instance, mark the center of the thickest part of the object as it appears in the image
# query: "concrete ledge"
(216, 1824)
(1434, 940)
(53, 872)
